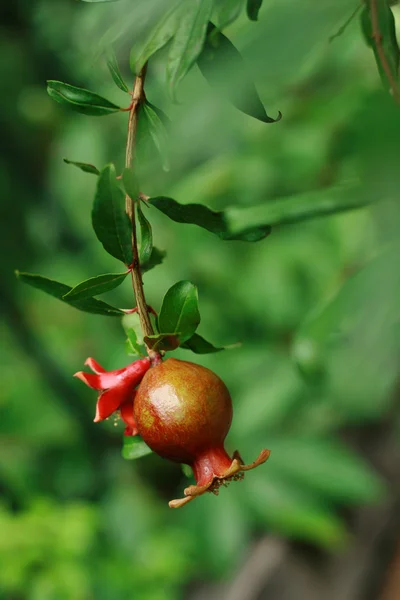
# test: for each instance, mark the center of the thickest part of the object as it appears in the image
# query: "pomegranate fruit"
(183, 412)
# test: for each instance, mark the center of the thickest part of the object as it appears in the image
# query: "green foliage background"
(76, 520)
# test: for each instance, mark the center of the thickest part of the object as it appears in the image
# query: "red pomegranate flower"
(183, 412)
(117, 389)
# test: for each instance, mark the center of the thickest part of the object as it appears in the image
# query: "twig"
(142, 309)
(343, 27)
(377, 36)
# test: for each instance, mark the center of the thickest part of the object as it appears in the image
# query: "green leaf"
(133, 330)
(180, 312)
(187, 471)
(130, 183)
(134, 447)
(163, 341)
(59, 290)
(254, 223)
(81, 100)
(86, 167)
(387, 42)
(112, 64)
(156, 258)
(253, 8)
(223, 67)
(159, 37)
(215, 222)
(227, 11)
(157, 131)
(96, 286)
(199, 345)
(298, 208)
(146, 237)
(110, 221)
(133, 348)
(188, 41)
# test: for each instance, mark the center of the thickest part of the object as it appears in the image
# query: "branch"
(137, 98)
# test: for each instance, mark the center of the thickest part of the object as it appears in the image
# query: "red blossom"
(117, 389)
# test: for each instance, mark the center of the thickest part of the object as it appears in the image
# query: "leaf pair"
(254, 223)
(223, 66)
(80, 99)
(227, 11)
(215, 222)
(152, 129)
(113, 228)
(62, 292)
(178, 320)
(193, 38)
(110, 222)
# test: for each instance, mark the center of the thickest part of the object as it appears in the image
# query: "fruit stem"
(137, 99)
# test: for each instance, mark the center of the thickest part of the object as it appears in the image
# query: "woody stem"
(137, 99)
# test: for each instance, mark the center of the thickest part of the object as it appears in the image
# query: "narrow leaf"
(298, 208)
(133, 347)
(254, 223)
(96, 286)
(199, 345)
(344, 26)
(215, 222)
(86, 167)
(179, 312)
(159, 36)
(81, 100)
(59, 290)
(223, 67)
(130, 183)
(134, 447)
(110, 221)
(187, 471)
(113, 67)
(133, 330)
(188, 41)
(163, 341)
(383, 42)
(227, 11)
(253, 8)
(156, 258)
(157, 131)
(146, 237)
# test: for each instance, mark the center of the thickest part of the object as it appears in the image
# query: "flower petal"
(94, 365)
(108, 402)
(93, 381)
(126, 410)
(262, 457)
(130, 431)
(180, 502)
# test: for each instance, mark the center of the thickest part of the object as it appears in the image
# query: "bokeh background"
(315, 306)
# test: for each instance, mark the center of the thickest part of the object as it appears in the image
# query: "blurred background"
(315, 306)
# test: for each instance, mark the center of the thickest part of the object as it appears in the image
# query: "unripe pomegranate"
(183, 412)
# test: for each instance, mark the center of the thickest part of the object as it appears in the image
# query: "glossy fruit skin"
(183, 410)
